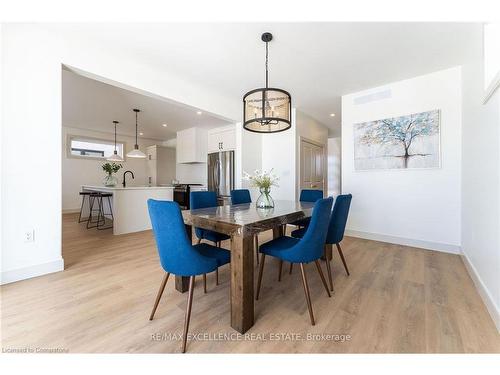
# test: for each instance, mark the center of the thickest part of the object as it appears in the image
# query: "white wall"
(414, 207)
(481, 185)
(31, 95)
(31, 183)
(491, 54)
(191, 173)
(309, 129)
(248, 158)
(278, 153)
(334, 164)
(77, 171)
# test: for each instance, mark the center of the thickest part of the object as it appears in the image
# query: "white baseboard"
(488, 300)
(71, 210)
(32, 271)
(438, 246)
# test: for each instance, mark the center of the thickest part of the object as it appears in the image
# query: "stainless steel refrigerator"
(221, 173)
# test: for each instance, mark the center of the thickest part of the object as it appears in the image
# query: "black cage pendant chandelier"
(268, 109)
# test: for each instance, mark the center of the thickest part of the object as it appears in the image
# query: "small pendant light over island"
(136, 153)
(115, 157)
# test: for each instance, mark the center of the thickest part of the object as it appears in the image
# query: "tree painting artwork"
(404, 142)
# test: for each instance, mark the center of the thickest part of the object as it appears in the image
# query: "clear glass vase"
(110, 180)
(265, 200)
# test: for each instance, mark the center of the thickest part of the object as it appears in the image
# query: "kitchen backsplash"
(192, 173)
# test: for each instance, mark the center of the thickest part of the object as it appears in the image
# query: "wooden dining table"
(242, 222)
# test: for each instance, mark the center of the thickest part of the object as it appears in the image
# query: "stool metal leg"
(91, 209)
(81, 209)
(100, 214)
(103, 214)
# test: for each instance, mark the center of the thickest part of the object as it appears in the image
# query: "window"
(92, 148)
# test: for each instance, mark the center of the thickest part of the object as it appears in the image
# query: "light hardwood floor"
(397, 299)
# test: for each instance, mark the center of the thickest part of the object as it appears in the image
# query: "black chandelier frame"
(264, 120)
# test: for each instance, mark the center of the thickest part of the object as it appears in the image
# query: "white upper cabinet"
(151, 152)
(192, 146)
(222, 139)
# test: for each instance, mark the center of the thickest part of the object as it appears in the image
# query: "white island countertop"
(120, 187)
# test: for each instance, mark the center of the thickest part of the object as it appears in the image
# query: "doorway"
(312, 165)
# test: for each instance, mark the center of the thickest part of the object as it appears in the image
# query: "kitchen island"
(129, 204)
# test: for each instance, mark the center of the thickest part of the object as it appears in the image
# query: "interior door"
(312, 163)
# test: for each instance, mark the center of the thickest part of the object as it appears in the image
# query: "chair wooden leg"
(204, 283)
(306, 291)
(217, 276)
(188, 313)
(261, 271)
(279, 271)
(158, 296)
(328, 258)
(342, 257)
(320, 271)
(291, 268)
(256, 242)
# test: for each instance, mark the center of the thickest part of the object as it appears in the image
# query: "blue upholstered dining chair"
(307, 195)
(206, 199)
(242, 196)
(309, 248)
(177, 255)
(336, 230)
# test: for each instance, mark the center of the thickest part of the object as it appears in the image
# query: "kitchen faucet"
(124, 173)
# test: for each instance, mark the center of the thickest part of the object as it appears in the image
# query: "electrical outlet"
(29, 236)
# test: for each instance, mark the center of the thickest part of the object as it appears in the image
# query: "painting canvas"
(404, 142)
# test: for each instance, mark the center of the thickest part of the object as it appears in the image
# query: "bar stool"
(84, 194)
(101, 214)
(92, 199)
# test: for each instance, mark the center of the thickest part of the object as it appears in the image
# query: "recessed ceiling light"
(141, 133)
(332, 114)
(164, 125)
(198, 112)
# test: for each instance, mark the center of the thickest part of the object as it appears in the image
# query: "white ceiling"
(93, 105)
(315, 62)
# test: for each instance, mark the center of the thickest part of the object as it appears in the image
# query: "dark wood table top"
(246, 219)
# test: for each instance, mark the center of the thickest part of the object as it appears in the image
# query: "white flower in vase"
(264, 181)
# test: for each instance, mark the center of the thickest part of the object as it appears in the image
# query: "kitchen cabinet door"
(151, 153)
(213, 142)
(192, 146)
(228, 140)
(151, 172)
(222, 139)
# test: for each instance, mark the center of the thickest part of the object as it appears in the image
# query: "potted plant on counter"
(110, 169)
